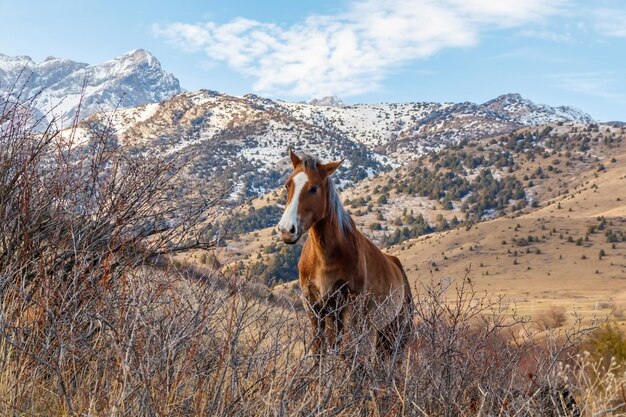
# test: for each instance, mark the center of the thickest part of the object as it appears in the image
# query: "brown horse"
(339, 265)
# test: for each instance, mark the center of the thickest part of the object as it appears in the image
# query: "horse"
(345, 280)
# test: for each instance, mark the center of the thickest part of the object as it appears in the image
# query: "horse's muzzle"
(288, 236)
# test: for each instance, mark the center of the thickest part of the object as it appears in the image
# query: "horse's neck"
(329, 241)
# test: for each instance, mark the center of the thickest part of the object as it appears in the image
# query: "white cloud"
(593, 83)
(610, 22)
(350, 53)
(548, 35)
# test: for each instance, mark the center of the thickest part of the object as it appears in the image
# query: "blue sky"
(551, 51)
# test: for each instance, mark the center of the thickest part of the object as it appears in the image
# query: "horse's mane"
(335, 207)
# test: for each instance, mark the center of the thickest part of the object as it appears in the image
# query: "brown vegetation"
(92, 323)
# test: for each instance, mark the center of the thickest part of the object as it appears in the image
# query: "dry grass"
(169, 345)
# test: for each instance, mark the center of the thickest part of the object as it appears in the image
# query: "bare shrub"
(79, 215)
(552, 318)
(477, 356)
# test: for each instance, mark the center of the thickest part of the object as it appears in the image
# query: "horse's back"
(396, 261)
(380, 263)
(407, 285)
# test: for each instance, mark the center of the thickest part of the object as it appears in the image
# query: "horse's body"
(338, 263)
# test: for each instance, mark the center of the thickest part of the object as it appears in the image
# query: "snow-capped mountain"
(330, 101)
(243, 140)
(526, 112)
(406, 130)
(130, 80)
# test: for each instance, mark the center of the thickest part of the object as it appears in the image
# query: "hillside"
(242, 140)
(571, 252)
(542, 250)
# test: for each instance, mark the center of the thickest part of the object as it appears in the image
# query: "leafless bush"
(77, 204)
(552, 318)
(78, 216)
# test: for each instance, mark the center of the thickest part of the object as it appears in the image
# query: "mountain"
(330, 101)
(243, 140)
(238, 138)
(404, 131)
(130, 80)
(526, 112)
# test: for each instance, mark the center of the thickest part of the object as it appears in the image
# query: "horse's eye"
(313, 189)
(286, 186)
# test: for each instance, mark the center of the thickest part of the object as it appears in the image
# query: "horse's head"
(307, 196)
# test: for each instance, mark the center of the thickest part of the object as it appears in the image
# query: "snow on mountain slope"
(329, 101)
(406, 130)
(574, 114)
(130, 80)
(526, 112)
(241, 140)
(370, 124)
(244, 139)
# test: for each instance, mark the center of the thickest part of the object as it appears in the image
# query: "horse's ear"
(330, 167)
(295, 159)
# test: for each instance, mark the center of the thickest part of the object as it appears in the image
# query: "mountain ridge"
(238, 137)
(251, 132)
(60, 85)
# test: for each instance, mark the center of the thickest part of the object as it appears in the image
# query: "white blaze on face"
(290, 216)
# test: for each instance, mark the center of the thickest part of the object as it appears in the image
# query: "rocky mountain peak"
(129, 80)
(328, 101)
(138, 57)
(521, 110)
